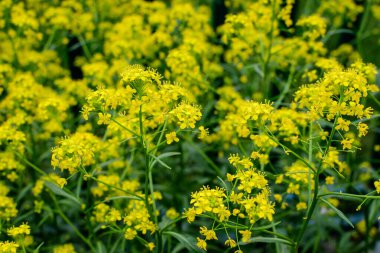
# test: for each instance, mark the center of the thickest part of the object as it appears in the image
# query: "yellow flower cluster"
(80, 149)
(8, 208)
(9, 247)
(123, 89)
(23, 229)
(247, 200)
(65, 248)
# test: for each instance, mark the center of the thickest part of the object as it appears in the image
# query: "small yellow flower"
(377, 185)
(209, 234)
(278, 197)
(190, 215)
(104, 118)
(246, 235)
(363, 129)
(347, 143)
(202, 244)
(230, 242)
(61, 182)
(203, 132)
(170, 137)
(343, 124)
(301, 206)
(329, 180)
(23, 229)
(171, 213)
(151, 246)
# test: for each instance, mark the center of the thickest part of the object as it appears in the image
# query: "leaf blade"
(338, 212)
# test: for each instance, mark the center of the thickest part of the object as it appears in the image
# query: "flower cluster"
(247, 202)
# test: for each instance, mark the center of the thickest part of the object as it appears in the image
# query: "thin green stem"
(314, 201)
(30, 164)
(286, 88)
(125, 128)
(349, 195)
(205, 156)
(73, 227)
(51, 38)
(86, 50)
(116, 188)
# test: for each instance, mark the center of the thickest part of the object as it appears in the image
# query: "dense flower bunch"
(245, 204)
(166, 126)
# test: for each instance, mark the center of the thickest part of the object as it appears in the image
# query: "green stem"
(310, 161)
(116, 188)
(349, 195)
(205, 156)
(314, 201)
(51, 38)
(30, 164)
(286, 88)
(267, 60)
(149, 187)
(124, 127)
(67, 220)
(86, 50)
(287, 149)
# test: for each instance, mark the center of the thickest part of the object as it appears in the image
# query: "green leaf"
(58, 191)
(100, 248)
(338, 212)
(266, 226)
(38, 247)
(267, 240)
(121, 197)
(186, 240)
(223, 183)
(168, 154)
(23, 192)
(164, 155)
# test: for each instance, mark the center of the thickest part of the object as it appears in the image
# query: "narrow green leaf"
(267, 240)
(121, 197)
(38, 247)
(186, 240)
(23, 192)
(338, 212)
(266, 226)
(168, 154)
(223, 183)
(164, 155)
(100, 248)
(58, 191)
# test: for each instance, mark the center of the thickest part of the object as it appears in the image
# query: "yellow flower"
(10, 247)
(61, 182)
(278, 197)
(377, 185)
(246, 235)
(23, 229)
(301, 206)
(230, 242)
(363, 129)
(104, 118)
(151, 246)
(130, 234)
(171, 213)
(65, 248)
(203, 132)
(342, 124)
(347, 143)
(201, 243)
(170, 137)
(209, 234)
(329, 180)
(190, 215)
